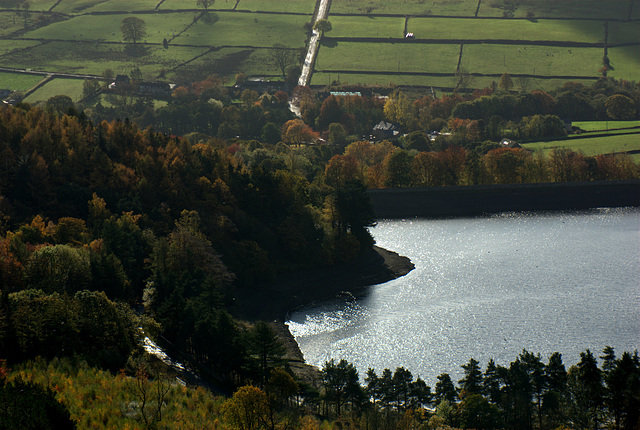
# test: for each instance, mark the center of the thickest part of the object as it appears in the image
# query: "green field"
(9, 23)
(7, 46)
(541, 64)
(406, 7)
(605, 125)
(325, 78)
(626, 63)
(506, 29)
(89, 6)
(18, 81)
(107, 27)
(531, 60)
(34, 5)
(191, 4)
(596, 9)
(247, 29)
(68, 87)
(290, 6)
(379, 57)
(364, 26)
(593, 146)
(225, 62)
(593, 9)
(225, 41)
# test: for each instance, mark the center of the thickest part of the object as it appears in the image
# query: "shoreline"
(478, 200)
(275, 301)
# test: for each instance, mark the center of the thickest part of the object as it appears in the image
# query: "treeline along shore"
(475, 200)
(379, 265)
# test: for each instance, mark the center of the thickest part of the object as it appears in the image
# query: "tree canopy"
(133, 29)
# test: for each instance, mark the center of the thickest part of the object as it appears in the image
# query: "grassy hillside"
(84, 36)
(594, 145)
(545, 42)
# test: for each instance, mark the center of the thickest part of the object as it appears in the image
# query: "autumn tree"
(397, 108)
(397, 167)
(296, 132)
(506, 83)
(330, 112)
(337, 136)
(247, 409)
(281, 386)
(340, 169)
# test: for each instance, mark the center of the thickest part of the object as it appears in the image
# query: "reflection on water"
(486, 288)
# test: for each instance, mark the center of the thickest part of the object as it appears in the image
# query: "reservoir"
(487, 287)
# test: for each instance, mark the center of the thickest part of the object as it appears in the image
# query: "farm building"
(385, 130)
(508, 143)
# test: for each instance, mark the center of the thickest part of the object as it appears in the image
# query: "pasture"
(33, 4)
(382, 79)
(591, 9)
(531, 60)
(89, 6)
(406, 7)
(18, 81)
(68, 87)
(593, 145)
(507, 29)
(106, 28)
(540, 43)
(10, 22)
(366, 26)
(387, 57)
(605, 125)
(86, 38)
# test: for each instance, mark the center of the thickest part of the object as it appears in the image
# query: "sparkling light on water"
(486, 288)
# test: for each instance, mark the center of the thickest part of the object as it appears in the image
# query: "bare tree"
(151, 396)
(282, 58)
(25, 6)
(462, 80)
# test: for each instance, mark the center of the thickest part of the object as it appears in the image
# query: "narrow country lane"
(323, 10)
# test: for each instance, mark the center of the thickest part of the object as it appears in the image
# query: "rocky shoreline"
(273, 302)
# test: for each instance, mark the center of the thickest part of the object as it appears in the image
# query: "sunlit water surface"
(486, 288)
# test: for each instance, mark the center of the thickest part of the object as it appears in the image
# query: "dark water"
(487, 288)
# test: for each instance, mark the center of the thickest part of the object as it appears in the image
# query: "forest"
(122, 223)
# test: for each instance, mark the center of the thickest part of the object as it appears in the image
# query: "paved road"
(313, 45)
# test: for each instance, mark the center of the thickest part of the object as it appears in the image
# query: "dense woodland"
(113, 229)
